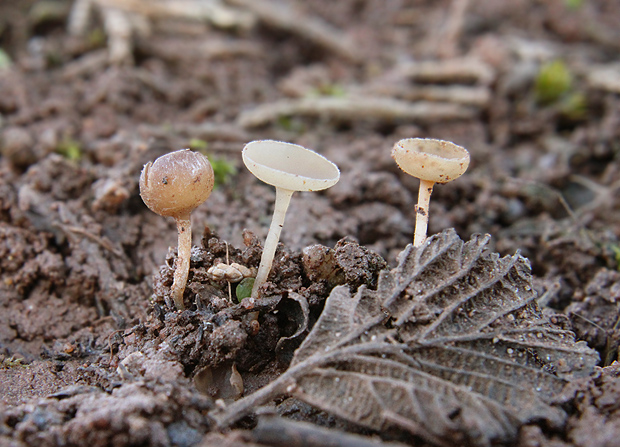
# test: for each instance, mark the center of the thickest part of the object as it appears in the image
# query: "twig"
(91, 62)
(79, 17)
(203, 49)
(277, 431)
(604, 196)
(452, 71)
(212, 10)
(605, 77)
(284, 16)
(118, 27)
(93, 237)
(376, 108)
(284, 384)
(452, 31)
(477, 96)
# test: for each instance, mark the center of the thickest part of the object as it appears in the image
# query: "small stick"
(462, 70)
(228, 281)
(285, 17)
(102, 241)
(453, 30)
(476, 96)
(352, 108)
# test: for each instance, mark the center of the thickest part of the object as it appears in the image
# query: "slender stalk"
(184, 228)
(283, 198)
(421, 220)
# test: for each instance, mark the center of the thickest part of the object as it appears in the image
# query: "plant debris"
(451, 347)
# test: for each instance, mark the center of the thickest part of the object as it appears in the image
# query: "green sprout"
(198, 145)
(5, 60)
(12, 362)
(615, 248)
(554, 80)
(291, 124)
(70, 149)
(223, 170)
(334, 90)
(574, 106)
(244, 288)
(573, 4)
(96, 38)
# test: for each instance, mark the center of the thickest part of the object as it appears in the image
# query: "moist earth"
(92, 351)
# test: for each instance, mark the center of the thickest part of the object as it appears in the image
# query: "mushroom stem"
(421, 219)
(181, 272)
(283, 198)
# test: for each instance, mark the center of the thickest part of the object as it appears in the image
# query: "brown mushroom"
(174, 185)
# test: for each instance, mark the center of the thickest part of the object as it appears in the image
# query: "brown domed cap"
(432, 160)
(176, 183)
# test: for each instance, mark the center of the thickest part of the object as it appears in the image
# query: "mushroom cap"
(289, 166)
(176, 183)
(432, 160)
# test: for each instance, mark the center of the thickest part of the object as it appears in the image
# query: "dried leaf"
(451, 347)
(301, 316)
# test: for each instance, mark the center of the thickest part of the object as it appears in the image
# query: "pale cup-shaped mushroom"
(289, 167)
(432, 161)
(174, 185)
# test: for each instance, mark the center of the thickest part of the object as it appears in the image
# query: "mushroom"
(289, 167)
(432, 161)
(173, 186)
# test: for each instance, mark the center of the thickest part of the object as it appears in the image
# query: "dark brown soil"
(91, 350)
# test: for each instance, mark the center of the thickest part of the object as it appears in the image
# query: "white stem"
(184, 228)
(283, 198)
(421, 219)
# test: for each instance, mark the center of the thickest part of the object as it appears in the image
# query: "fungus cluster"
(178, 182)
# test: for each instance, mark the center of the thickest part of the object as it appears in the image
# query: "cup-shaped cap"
(432, 160)
(176, 183)
(289, 166)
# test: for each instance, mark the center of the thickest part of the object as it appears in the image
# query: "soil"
(92, 351)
